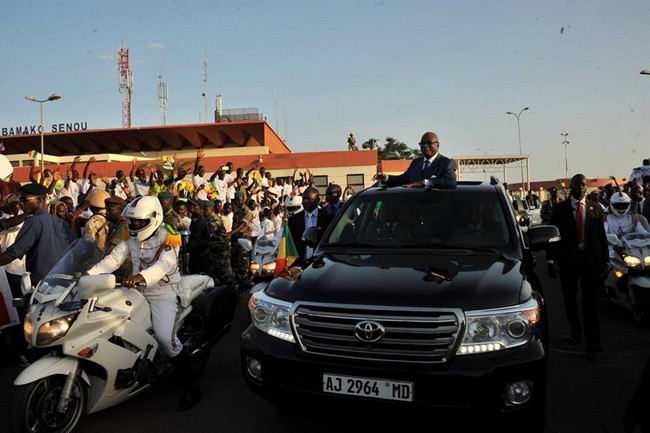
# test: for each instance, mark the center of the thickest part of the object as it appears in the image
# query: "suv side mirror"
(310, 236)
(540, 235)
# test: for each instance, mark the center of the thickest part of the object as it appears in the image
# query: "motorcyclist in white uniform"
(619, 219)
(154, 248)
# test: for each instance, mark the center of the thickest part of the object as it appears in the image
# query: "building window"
(355, 181)
(321, 182)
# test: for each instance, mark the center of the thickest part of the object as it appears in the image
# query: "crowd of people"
(153, 229)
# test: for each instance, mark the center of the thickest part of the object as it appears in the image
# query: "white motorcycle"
(628, 282)
(102, 349)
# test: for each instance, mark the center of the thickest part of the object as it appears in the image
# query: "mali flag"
(287, 254)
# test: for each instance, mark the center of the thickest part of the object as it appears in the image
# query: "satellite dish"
(5, 167)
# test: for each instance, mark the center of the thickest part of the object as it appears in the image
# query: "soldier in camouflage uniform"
(219, 247)
(242, 228)
(117, 233)
(170, 216)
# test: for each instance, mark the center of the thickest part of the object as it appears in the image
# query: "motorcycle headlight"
(498, 329)
(646, 261)
(632, 261)
(28, 328)
(53, 330)
(271, 316)
(264, 270)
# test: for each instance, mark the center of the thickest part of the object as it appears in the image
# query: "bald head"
(429, 144)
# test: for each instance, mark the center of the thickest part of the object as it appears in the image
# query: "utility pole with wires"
(566, 158)
(205, 84)
(162, 96)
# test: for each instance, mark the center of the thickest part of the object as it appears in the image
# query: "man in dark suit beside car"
(581, 256)
(310, 216)
(640, 205)
(431, 170)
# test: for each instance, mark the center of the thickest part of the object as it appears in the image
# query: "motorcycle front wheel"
(34, 406)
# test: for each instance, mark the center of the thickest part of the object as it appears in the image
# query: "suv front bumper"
(470, 381)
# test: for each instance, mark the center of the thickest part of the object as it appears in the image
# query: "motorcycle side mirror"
(89, 284)
(26, 283)
(245, 244)
(612, 239)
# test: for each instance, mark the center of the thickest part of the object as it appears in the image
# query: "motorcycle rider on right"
(628, 236)
(620, 221)
(153, 248)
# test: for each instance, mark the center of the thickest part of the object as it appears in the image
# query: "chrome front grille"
(423, 335)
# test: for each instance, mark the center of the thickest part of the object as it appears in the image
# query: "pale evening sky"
(320, 70)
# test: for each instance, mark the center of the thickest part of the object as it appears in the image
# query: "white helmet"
(293, 204)
(619, 204)
(144, 208)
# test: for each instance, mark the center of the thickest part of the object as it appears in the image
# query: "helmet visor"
(135, 225)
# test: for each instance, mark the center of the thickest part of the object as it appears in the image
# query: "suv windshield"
(468, 219)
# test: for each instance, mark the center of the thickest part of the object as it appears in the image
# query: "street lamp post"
(520, 152)
(52, 97)
(566, 159)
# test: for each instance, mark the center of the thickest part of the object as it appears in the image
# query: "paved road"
(586, 393)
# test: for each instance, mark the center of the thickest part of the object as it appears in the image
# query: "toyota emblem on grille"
(369, 331)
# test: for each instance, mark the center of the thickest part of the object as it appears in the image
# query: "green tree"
(394, 149)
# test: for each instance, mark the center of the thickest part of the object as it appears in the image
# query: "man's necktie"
(579, 222)
(426, 165)
(309, 251)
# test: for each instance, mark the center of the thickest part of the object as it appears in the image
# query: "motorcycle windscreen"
(57, 284)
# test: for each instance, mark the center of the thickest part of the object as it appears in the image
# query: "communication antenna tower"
(162, 96)
(126, 85)
(205, 85)
(219, 104)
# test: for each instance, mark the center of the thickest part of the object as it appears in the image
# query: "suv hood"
(483, 280)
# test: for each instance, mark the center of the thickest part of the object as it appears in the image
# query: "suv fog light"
(254, 368)
(518, 393)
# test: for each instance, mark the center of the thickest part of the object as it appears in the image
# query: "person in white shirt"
(226, 215)
(121, 188)
(230, 180)
(200, 183)
(257, 226)
(639, 173)
(267, 231)
(141, 184)
(220, 186)
(70, 186)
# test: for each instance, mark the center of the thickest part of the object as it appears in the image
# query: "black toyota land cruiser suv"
(421, 297)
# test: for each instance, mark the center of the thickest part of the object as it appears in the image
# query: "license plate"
(368, 387)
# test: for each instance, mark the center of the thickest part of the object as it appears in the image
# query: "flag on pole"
(33, 154)
(287, 255)
(168, 162)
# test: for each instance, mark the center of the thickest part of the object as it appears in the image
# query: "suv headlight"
(271, 316)
(498, 329)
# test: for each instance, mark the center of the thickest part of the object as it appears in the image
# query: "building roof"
(151, 139)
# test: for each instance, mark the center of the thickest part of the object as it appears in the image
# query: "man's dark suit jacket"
(296, 225)
(565, 252)
(443, 168)
(646, 208)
